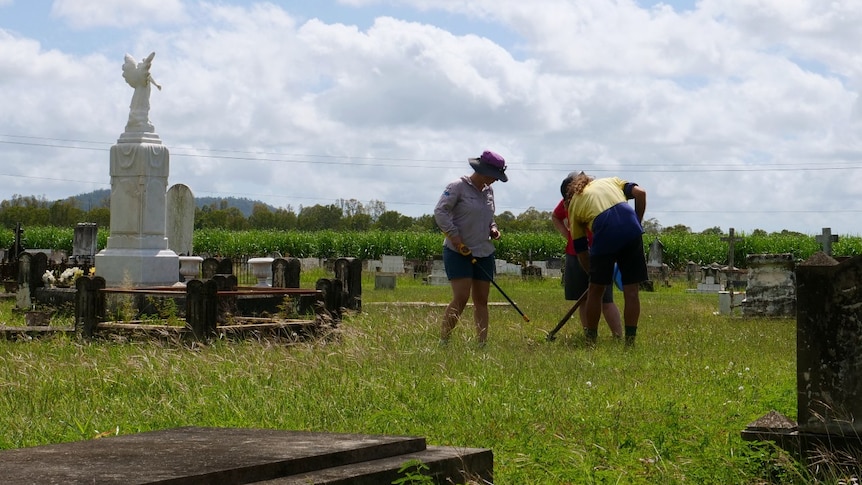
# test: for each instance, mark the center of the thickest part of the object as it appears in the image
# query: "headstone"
(655, 257)
(180, 206)
(310, 263)
(709, 279)
(286, 273)
(209, 268)
(656, 269)
(383, 281)
(771, 288)
(137, 252)
(391, 264)
(225, 266)
(349, 272)
(38, 266)
(17, 243)
(828, 332)
(438, 274)
(22, 297)
(826, 238)
(731, 242)
(84, 244)
(554, 267)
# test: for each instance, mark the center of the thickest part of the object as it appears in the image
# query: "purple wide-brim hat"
(491, 165)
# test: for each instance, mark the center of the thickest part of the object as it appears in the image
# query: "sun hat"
(491, 165)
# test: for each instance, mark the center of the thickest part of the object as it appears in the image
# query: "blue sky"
(730, 113)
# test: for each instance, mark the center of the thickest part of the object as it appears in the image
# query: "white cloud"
(85, 14)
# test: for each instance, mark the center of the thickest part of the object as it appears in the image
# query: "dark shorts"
(576, 281)
(630, 259)
(460, 266)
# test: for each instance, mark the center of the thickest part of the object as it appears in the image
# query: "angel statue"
(138, 76)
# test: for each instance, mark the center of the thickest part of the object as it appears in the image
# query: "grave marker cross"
(826, 239)
(731, 240)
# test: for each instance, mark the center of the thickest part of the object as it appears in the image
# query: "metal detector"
(465, 251)
(552, 334)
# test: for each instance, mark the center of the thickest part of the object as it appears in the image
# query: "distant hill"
(97, 198)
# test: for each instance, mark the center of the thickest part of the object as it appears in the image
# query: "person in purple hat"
(465, 213)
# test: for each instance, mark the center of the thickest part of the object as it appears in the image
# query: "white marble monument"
(137, 252)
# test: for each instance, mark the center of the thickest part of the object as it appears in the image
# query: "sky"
(739, 114)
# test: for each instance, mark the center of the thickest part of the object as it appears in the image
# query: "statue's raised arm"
(137, 74)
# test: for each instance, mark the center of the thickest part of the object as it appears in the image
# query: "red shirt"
(562, 213)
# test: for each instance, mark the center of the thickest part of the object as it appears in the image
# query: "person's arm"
(584, 259)
(639, 195)
(560, 225)
(443, 215)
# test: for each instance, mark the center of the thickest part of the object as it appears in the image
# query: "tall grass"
(668, 411)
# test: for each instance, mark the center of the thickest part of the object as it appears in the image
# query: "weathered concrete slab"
(443, 463)
(223, 456)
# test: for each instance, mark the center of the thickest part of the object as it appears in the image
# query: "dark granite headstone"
(828, 339)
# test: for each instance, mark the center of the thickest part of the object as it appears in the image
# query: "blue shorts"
(460, 266)
(630, 259)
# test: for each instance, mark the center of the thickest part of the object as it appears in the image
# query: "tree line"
(343, 214)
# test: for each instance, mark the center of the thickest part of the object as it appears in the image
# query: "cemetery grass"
(669, 410)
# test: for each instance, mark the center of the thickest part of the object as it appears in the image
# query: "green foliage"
(518, 247)
(414, 472)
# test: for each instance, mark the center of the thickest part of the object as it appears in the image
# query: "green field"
(669, 410)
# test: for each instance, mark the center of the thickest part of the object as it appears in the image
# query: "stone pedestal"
(137, 252)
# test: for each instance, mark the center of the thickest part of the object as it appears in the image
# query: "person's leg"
(601, 275)
(633, 270)
(460, 294)
(459, 270)
(481, 289)
(632, 310)
(576, 282)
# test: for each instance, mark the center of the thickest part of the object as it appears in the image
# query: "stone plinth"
(137, 252)
(771, 288)
(230, 456)
(828, 339)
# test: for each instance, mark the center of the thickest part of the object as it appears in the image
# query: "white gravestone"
(180, 219)
(137, 252)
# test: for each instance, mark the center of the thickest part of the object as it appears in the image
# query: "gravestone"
(828, 336)
(656, 269)
(310, 263)
(826, 238)
(225, 266)
(180, 207)
(554, 267)
(710, 282)
(438, 274)
(828, 368)
(137, 252)
(84, 244)
(391, 264)
(771, 288)
(349, 272)
(38, 266)
(209, 268)
(286, 273)
(17, 244)
(22, 297)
